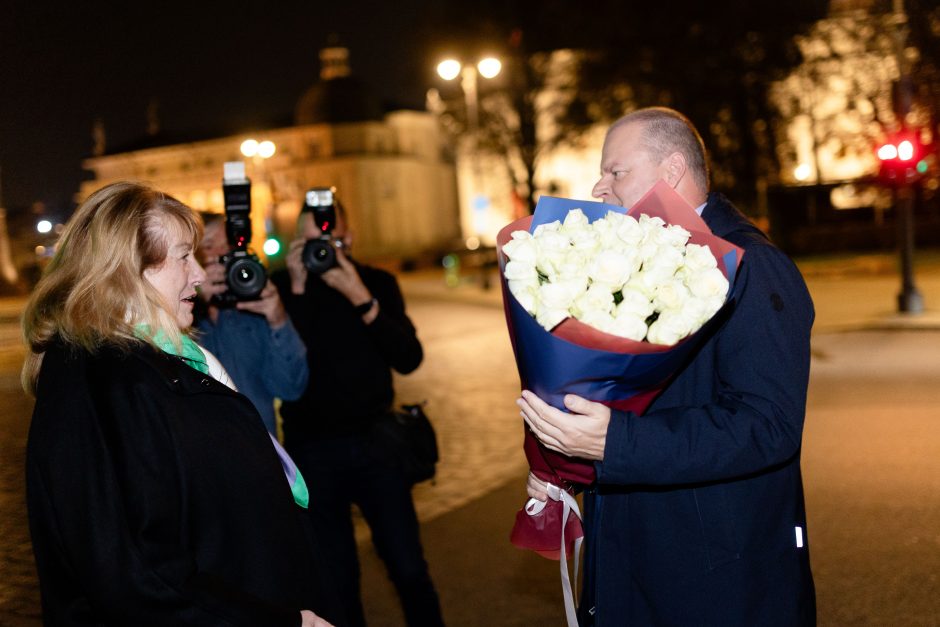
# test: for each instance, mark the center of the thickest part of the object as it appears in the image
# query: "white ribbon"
(534, 507)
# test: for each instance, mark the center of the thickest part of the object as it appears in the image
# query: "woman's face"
(177, 277)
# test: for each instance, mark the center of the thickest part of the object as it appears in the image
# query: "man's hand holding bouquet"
(607, 304)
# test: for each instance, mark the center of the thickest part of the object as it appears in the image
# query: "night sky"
(62, 65)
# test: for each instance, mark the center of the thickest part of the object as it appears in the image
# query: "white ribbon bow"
(534, 507)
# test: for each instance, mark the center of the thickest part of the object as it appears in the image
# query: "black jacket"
(350, 362)
(155, 497)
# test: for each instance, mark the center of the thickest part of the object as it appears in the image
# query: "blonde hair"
(93, 291)
(665, 131)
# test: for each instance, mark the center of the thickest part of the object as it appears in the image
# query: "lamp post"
(488, 67)
(469, 73)
(900, 159)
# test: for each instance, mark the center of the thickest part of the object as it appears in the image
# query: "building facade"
(392, 173)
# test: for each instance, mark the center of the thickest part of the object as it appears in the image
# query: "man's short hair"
(666, 131)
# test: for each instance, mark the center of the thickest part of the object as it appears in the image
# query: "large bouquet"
(607, 304)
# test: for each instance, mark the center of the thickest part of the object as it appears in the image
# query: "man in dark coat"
(697, 515)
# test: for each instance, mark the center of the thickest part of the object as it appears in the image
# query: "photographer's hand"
(268, 305)
(295, 266)
(214, 283)
(345, 279)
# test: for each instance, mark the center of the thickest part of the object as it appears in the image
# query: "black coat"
(698, 514)
(155, 497)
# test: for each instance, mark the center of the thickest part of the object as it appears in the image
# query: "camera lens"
(319, 255)
(245, 277)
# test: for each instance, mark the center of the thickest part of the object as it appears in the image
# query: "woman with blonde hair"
(155, 494)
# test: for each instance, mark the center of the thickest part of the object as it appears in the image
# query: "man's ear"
(676, 168)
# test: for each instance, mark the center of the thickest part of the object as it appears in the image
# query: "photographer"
(352, 317)
(254, 339)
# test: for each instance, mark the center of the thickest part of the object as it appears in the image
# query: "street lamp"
(469, 73)
(488, 67)
(254, 149)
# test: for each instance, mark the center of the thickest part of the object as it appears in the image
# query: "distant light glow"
(906, 150)
(448, 69)
(40, 250)
(922, 167)
(888, 151)
(249, 147)
(473, 242)
(44, 226)
(266, 149)
(489, 67)
(271, 247)
(802, 172)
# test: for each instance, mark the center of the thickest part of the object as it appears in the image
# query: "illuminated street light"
(488, 67)
(44, 226)
(253, 148)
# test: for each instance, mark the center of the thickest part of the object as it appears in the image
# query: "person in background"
(352, 318)
(697, 514)
(155, 495)
(255, 340)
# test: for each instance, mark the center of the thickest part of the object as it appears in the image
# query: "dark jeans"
(342, 471)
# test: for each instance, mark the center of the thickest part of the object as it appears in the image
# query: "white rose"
(595, 298)
(560, 295)
(650, 225)
(613, 268)
(573, 266)
(522, 249)
(546, 227)
(708, 283)
(671, 295)
(629, 231)
(649, 278)
(629, 326)
(526, 292)
(575, 221)
(698, 257)
(634, 303)
(520, 271)
(600, 320)
(586, 241)
(670, 327)
(550, 318)
(552, 249)
(672, 235)
(664, 258)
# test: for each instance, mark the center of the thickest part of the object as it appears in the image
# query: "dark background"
(210, 70)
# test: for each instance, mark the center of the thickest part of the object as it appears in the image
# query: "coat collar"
(724, 218)
(176, 374)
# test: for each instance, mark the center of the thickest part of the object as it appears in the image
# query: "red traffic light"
(902, 159)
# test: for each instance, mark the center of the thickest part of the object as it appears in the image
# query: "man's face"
(214, 243)
(627, 171)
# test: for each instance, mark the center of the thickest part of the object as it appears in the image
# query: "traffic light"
(903, 159)
(272, 246)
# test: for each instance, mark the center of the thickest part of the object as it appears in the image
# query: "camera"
(319, 254)
(245, 277)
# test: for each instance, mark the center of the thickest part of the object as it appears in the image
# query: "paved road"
(871, 460)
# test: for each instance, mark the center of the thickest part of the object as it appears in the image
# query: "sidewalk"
(850, 292)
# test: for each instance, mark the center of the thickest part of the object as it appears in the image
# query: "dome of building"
(337, 96)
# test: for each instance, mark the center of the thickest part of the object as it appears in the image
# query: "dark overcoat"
(697, 516)
(156, 497)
